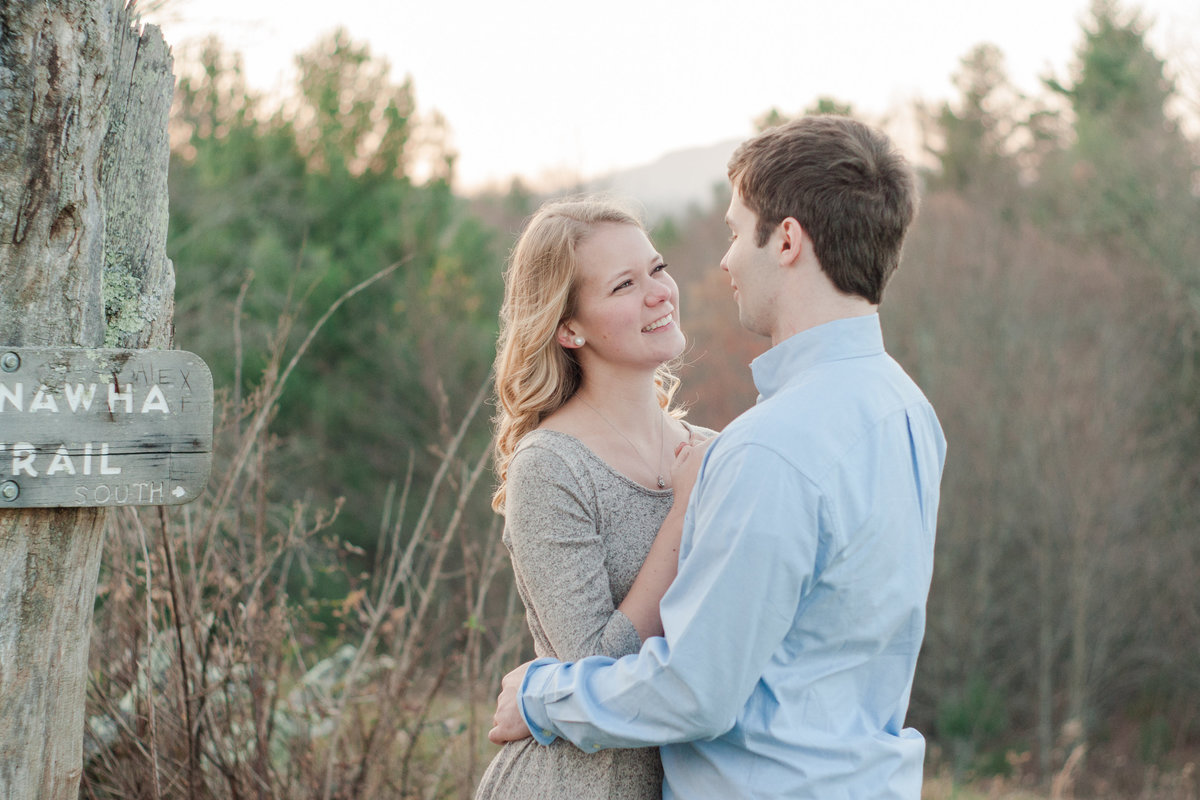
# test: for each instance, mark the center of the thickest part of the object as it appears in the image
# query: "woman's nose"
(658, 293)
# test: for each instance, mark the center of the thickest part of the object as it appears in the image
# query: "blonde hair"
(535, 375)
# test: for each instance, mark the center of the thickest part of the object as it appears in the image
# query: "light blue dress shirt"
(793, 627)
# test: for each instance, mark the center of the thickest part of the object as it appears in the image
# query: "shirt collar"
(851, 337)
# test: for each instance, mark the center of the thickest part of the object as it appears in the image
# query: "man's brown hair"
(844, 182)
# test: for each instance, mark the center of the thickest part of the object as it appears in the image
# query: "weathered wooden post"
(84, 100)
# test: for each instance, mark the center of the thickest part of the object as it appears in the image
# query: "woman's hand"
(688, 457)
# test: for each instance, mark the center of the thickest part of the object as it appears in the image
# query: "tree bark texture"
(84, 102)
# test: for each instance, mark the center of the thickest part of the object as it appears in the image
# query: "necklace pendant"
(661, 483)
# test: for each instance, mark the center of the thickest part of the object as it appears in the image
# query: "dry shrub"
(210, 677)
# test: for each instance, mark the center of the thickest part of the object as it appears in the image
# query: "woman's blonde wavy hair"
(534, 374)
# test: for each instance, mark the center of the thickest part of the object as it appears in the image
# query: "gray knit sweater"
(578, 532)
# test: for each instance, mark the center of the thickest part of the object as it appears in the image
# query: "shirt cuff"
(529, 700)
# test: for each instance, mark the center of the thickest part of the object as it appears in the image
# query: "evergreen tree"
(976, 148)
(1127, 179)
(824, 105)
(310, 200)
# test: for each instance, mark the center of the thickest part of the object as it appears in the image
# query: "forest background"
(332, 618)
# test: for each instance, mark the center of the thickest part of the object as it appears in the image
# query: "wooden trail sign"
(84, 427)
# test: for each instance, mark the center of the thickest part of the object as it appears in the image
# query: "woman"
(585, 453)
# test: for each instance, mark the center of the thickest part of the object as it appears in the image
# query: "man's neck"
(827, 307)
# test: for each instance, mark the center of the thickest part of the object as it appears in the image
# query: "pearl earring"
(578, 340)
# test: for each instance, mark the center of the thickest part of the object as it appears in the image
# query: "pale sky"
(536, 87)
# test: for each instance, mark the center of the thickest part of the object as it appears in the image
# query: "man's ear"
(792, 241)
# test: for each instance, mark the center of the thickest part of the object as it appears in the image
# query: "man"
(792, 630)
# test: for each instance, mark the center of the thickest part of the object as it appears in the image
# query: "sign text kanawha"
(81, 427)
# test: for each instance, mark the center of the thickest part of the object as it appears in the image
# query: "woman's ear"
(568, 337)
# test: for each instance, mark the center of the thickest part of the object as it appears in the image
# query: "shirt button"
(546, 733)
(595, 747)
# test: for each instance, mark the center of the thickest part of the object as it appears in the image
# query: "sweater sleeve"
(558, 555)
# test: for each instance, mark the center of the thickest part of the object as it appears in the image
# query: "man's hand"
(509, 725)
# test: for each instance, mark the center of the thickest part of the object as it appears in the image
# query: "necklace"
(662, 484)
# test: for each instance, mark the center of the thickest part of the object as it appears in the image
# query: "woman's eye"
(660, 267)
(622, 285)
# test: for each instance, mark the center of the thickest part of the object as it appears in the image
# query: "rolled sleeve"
(532, 689)
(558, 553)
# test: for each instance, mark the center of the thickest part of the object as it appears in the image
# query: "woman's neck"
(630, 403)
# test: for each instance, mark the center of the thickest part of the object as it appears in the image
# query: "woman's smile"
(658, 323)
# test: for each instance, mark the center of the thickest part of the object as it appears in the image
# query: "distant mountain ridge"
(673, 182)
